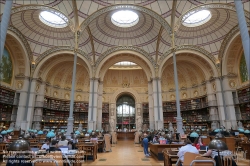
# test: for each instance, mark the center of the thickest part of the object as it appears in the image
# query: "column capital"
(94, 79)
(156, 78)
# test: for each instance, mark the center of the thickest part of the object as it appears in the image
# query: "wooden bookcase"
(56, 113)
(145, 113)
(194, 113)
(6, 104)
(105, 114)
(244, 104)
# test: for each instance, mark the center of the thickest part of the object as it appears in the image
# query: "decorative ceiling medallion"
(66, 96)
(232, 84)
(184, 95)
(19, 85)
(125, 85)
(214, 87)
(195, 93)
(78, 97)
(55, 93)
(125, 18)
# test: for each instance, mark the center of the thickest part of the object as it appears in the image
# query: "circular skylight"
(53, 19)
(125, 18)
(125, 63)
(196, 18)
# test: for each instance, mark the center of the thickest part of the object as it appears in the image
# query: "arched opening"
(125, 113)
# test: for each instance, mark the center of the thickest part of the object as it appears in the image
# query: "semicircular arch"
(121, 92)
(39, 66)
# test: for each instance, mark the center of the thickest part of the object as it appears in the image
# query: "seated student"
(214, 155)
(45, 145)
(156, 139)
(94, 138)
(63, 141)
(54, 146)
(187, 148)
(198, 143)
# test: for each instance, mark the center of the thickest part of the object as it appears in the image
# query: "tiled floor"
(127, 153)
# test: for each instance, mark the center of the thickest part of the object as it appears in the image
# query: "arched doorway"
(125, 113)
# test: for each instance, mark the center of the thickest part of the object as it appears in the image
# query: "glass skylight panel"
(196, 18)
(125, 63)
(53, 19)
(125, 18)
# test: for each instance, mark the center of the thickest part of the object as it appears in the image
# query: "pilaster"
(157, 98)
(99, 106)
(93, 97)
(151, 105)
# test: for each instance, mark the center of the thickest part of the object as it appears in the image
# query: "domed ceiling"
(148, 34)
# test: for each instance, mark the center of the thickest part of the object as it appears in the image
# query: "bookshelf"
(145, 113)
(244, 104)
(194, 112)
(105, 114)
(6, 104)
(56, 113)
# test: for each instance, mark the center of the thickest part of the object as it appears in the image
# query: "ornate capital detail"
(62, 48)
(20, 75)
(231, 75)
(189, 47)
(119, 48)
(156, 16)
(42, 7)
(24, 41)
(125, 85)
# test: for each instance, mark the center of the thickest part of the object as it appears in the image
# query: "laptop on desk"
(64, 150)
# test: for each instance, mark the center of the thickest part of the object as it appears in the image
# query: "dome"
(19, 145)
(217, 144)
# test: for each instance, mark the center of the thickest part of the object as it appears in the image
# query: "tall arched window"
(125, 112)
(243, 69)
(6, 67)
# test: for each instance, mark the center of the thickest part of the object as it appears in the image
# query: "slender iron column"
(70, 124)
(4, 24)
(243, 32)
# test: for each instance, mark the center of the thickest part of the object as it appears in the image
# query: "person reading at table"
(63, 141)
(54, 146)
(187, 148)
(198, 143)
(93, 138)
(214, 155)
(45, 145)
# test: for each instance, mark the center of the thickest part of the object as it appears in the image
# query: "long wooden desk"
(156, 149)
(125, 135)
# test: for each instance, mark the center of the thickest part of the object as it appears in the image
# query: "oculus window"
(53, 19)
(196, 18)
(125, 18)
(125, 112)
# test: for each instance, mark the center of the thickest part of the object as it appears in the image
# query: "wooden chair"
(189, 157)
(88, 152)
(79, 157)
(203, 161)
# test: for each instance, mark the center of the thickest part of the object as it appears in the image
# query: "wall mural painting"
(243, 69)
(6, 67)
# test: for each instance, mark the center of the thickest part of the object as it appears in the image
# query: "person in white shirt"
(187, 148)
(45, 145)
(63, 141)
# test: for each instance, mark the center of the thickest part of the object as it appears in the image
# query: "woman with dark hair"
(198, 143)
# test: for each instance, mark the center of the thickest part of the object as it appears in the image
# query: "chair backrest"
(203, 161)
(189, 157)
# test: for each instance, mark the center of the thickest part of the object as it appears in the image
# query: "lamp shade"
(217, 130)
(19, 145)
(77, 132)
(50, 134)
(97, 130)
(194, 134)
(241, 130)
(62, 131)
(9, 131)
(4, 132)
(89, 131)
(247, 132)
(40, 132)
(218, 145)
(219, 135)
(35, 131)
